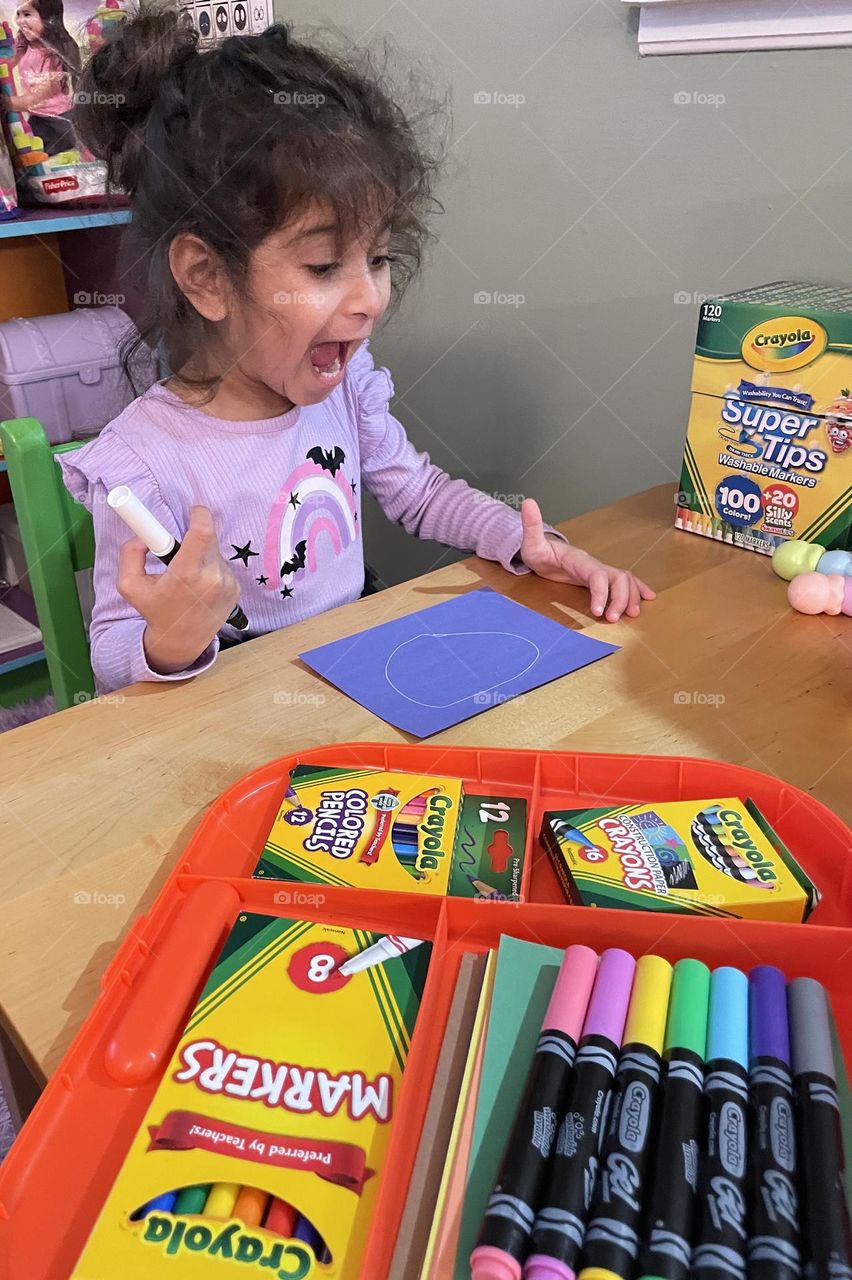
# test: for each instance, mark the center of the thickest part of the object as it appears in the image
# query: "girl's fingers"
(619, 595)
(646, 592)
(633, 605)
(599, 590)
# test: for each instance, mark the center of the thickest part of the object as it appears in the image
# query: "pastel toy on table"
(789, 559)
(821, 593)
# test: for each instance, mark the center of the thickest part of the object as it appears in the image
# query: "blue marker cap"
(727, 1019)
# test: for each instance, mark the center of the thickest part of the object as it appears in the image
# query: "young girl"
(279, 197)
(47, 60)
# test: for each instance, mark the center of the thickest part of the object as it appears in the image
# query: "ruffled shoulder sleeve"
(371, 390)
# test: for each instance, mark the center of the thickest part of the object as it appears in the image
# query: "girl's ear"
(200, 275)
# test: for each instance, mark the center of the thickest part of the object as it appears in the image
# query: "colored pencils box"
(677, 1124)
(708, 857)
(366, 828)
(264, 1141)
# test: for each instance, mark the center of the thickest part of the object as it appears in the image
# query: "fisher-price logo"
(786, 342)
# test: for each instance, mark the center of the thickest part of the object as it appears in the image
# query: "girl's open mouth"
(328, 360)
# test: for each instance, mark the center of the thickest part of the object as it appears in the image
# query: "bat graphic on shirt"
(329, 459)
(298, 561)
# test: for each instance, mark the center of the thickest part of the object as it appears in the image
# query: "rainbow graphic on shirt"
(315, 503)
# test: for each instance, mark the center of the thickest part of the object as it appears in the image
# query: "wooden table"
(97, 803)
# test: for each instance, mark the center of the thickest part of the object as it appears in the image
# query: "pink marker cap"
(488, 1263)
(611, 996)
(570, 998)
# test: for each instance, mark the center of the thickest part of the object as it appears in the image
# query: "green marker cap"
(686, 1026)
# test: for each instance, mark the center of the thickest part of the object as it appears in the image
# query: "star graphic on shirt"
(294, 498)
(262, 580)
(285, 592)
(243, 553)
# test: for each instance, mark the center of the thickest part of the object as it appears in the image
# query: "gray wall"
(604, 199)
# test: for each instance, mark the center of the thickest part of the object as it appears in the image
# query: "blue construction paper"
(441, 665)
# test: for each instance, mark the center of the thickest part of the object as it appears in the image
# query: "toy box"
(66, 371)
(709, 857)
(769, 443)
(285, 1081)
(370, 829)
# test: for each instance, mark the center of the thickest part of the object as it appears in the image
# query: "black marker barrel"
(509, 1215)
(612, 1236)
(822, 1181)
(720, 1248)
(560, 1223)
(773, 1222)
(671, 1214)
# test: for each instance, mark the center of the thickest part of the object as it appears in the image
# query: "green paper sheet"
(523, 982)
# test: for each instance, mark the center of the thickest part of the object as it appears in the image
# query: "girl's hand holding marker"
(185, 606)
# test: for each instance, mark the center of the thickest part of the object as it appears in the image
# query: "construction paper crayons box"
(411, 832)
(706, 857)
(285, 1081)
(769, 443)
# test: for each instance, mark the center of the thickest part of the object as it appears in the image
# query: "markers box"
(367, 828)
(707, 857)
(286, 1079)
(769, 443)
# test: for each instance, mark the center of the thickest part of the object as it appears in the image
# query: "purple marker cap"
(539, 1267)
(768, 1029)
(610, 996)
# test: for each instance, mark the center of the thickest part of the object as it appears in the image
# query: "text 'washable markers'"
(773, 1218)
(509, 1216)
(720, 1247)
(612, 1237)
(822, 1175)
(156, 537)
(671, 1209)
(560, 1223)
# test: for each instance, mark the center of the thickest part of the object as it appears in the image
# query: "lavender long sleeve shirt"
(285, 495)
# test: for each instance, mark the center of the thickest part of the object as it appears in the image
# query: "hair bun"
(122, 82)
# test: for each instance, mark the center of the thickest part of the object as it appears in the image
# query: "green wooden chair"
(58, 540)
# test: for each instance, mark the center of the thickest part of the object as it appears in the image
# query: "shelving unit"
(34, 222)
(84, 259)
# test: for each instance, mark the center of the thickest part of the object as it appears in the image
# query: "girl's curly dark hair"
(238, 141)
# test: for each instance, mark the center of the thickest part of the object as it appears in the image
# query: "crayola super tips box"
(769, 444)
(285, 1081)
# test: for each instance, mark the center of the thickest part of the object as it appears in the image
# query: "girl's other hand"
(185, 606)
(613, 591)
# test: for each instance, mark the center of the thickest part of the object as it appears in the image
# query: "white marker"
(385, 949)
(157, 539)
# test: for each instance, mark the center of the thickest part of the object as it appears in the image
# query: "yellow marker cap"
(599, 1273)
(649, 1003)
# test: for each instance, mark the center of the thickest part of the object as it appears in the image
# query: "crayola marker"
(509, 1216)
(250, 1206)
(156, 537)
(385, 949)
(160, 1204)
(280, 1217)
(773, 1225)
(671, 1212)
(612, 1237)
(192, 1199)
(720, 1250)
(221, 1200)
(825, 1213)
(560, 1223)
(308, 1234)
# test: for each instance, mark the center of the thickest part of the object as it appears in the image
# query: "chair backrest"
(58, 539)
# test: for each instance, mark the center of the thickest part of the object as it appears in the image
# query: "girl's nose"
(366, 295)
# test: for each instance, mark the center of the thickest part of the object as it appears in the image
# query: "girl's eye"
(381, 259)
(322, 270)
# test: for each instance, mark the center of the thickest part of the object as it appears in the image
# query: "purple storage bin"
(65, 370)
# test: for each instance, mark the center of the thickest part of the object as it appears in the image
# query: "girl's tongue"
(326, 357)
